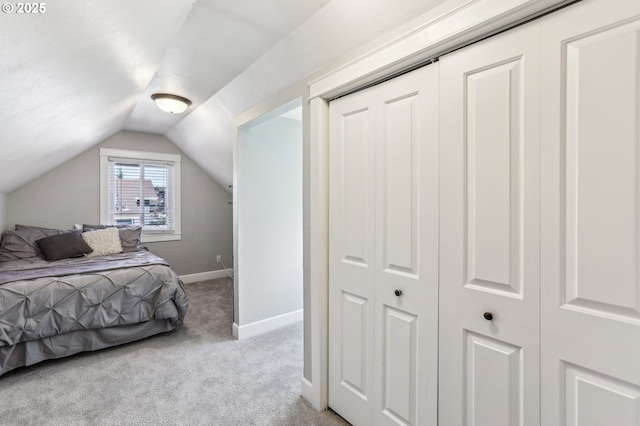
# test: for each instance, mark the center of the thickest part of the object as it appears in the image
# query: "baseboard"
(203, 276)
(265, 325)
(235, 330)
(306, 390)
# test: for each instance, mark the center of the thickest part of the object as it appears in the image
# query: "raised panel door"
(489, 232)
(383, 307)
(590, 304)
(352, 257)
(407, 249)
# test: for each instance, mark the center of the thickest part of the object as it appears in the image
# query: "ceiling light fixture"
(171, 103)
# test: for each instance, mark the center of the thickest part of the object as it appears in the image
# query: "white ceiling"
(85, 70)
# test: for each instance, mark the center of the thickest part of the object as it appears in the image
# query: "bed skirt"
(63, 345)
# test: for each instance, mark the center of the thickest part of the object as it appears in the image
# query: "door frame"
(453, 24)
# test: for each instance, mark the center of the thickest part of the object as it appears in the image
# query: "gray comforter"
(44, 301)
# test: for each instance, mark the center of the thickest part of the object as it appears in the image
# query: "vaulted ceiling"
(81, 71)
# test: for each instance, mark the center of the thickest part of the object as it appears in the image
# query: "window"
(141, 188)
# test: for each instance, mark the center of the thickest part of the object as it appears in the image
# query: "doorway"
(268, 222)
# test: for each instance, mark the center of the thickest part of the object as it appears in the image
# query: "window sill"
(154, 238)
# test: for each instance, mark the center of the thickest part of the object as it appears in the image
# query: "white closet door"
(489, 232)
(352, 257)
(383, 238)
(591, 215)
(407, 250)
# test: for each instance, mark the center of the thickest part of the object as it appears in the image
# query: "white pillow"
(103, 241)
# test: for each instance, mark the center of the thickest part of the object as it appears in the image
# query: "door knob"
(488, 316)
(398, 293)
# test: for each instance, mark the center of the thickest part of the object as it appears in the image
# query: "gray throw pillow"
(62, 246)
(21, 243)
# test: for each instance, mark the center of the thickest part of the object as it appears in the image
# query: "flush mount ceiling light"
(171, 103)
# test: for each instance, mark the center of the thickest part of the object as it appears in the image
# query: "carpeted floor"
(198, 375)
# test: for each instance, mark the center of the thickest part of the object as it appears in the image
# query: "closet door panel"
(493, 375)
(601, 178)
(594, 399)
(591, 215)
(494, 187)
(400, 186)
(351, 256)
(384, 252)
(353, 340)
(356, 183)
(489, 336)
(407, 248)
(400, 373)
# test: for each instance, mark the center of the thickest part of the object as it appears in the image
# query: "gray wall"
(69, 194)
(269, 197)
(3, 212)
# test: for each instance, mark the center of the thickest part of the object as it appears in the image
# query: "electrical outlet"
(218, 258)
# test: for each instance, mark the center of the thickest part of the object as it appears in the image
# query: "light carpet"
(198, 375)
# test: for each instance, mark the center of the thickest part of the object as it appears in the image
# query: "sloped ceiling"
(82, 71)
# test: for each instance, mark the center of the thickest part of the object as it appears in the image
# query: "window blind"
(142, 193)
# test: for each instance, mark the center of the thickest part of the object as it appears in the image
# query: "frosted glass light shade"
(171, 103)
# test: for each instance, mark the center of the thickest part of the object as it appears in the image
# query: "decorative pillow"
(21, 243)
(62, 246)
(40, 229)
(103, 242)
(129, 235)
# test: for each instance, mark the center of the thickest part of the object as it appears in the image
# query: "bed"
(53, 307)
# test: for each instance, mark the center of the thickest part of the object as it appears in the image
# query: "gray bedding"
(54, 309)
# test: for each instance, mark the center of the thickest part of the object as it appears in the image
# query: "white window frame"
(176, 159)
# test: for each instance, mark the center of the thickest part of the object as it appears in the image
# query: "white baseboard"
(306, 390)
(265, 325)
(203, 276)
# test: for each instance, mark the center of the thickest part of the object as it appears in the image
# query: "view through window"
(141, 191)
(141, 195)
